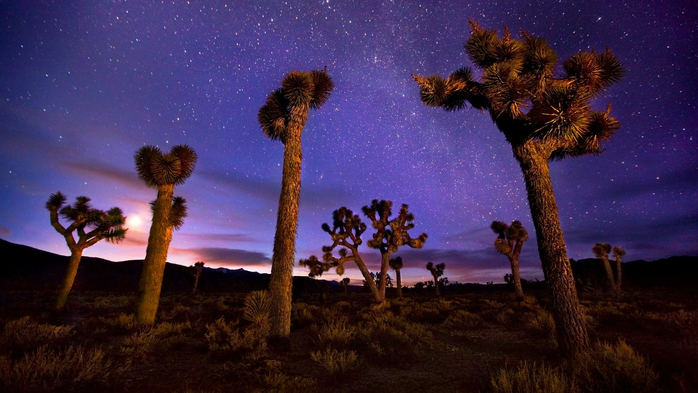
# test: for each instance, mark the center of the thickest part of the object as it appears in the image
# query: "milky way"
(83, 85)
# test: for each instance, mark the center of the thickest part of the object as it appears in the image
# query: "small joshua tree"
(162, 172)
(316, 268)
(436, 271)
(509, 242)
(345, 285)
(346, 232)
(195, 271)
(82, 216)
(390, 233)
(396, 264)
(618, 254)
(601, 250)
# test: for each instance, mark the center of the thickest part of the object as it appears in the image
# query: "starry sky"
(84, 84)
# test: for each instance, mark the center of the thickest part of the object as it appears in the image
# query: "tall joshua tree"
(436, 271)
(390, 233)
(162, 172)
(544, 118)
(396, 264)
(618, 254)
(509, 242)
(601, 251)
(195, 271)
(283, 117)
(92, 225)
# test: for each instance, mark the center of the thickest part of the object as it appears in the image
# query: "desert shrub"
(463, 320)
(276, 381)
(342, 305)
(614, 368)
(122, 323)
(422, 312)
(303, 315)
(265, 375)
(505, 317)
(177, 312)
(530, 377)
(225, 340)
(111, 302)
(25, 334)
(393, 339)
(336, 362)
(141, 344)
(168, 329)
(540, 324)
(337, 334)
(48, 370)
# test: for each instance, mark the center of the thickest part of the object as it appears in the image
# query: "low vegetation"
(484, 341)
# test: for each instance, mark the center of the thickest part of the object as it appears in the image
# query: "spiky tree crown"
(158, 169)
(298, 89)
(396, 263)
(107, 225)
(601, 250)
(346, 231)
(510, 238)
(391, 234)
(315, 266)
(618, 252)
(436, 270)
(524, 98)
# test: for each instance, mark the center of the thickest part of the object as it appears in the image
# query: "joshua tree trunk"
(610, 284)
(378, 296)
(398, 277)
(619, 274)
(281, 281)
(436, 286)
(385, 265)
(516, 276)
(155, 257)
(68, 278)
(572, 334)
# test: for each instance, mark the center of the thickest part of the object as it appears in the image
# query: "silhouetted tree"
(601, 251)
(316, 268)
(345, 285)
(544, 118)
(92, 225)
(162, 172)
(436, 271)
(283, 117)
(509, 242)
(396, 264)
(390, 233)
(618, 253)
(195, 271)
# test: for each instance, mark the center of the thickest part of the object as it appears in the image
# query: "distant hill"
(26, 268)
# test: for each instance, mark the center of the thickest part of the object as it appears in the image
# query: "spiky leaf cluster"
(601, 250)
(178, 211)
(436, 270)
(298, 89)
(107, 225)
(315, 266)
(524, 98)
(396, 263)
(510, 238)
(391, 234)
(346, 232)
(618, 253)
(158, 169)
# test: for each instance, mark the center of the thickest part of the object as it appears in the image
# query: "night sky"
(84, 84)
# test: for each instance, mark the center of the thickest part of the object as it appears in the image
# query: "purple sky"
(84, 84)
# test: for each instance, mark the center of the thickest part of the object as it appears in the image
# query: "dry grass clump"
(25, 334)
(541, 324)
(463, 320)
(337, 333)
(392, 339)
(336, 362)
(530, 378)
(48, 370)
(120, 324)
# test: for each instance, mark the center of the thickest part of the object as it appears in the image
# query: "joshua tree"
(396, 264)
(162, 172)
(601, 251)
(99, 224)
(436, 271)
(283, 117)
(544, 118)
(390, 234)
(316, 268)
(508, 243)
(345, 285)
(195, 271)
(618, 253)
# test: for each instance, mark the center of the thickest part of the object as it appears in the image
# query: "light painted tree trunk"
(68, 279)
(281, 280)
(516, 275)
(385, 265)
(398, 277)
(619, 274)
(610, 283)
(153, 270)
(572, 334)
